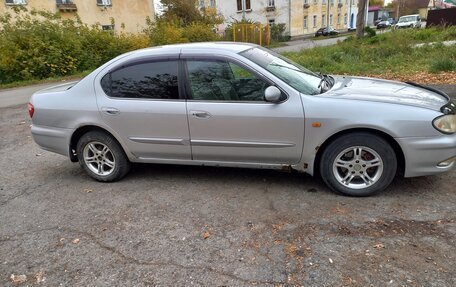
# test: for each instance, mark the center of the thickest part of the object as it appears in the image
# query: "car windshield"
(298, 77)
(407, 19)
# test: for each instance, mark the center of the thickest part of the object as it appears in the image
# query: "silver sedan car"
(241, 105)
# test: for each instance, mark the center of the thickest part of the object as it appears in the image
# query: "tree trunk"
(360, 18)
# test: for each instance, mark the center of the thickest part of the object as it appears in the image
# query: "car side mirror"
(272, 94)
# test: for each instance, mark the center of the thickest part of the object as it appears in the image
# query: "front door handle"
(201, 114)
(110, 111)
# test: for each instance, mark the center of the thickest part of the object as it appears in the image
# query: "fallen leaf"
(206, 235)
(331, 261)
(17, 279)
(39, 277)
(87, 190)
(379, 245)
(76, 241)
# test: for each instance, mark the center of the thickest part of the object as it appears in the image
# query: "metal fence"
(253, 33)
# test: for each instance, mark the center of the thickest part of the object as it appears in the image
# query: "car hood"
(376, 90)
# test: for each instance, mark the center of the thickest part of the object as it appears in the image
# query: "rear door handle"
(110, 111)
(200, 114)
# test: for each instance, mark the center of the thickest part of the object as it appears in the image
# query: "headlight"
(446, 124)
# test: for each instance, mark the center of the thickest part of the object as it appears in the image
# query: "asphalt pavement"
(166, 225)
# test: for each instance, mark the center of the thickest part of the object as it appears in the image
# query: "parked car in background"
(409, 21)
(241, 105)
(327, 31)
(383, 24)
(392, 21)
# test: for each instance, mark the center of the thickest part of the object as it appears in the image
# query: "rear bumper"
(423, 155)
(52, 139)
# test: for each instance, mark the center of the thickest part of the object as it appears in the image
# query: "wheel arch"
(79, 132)
(394, 144)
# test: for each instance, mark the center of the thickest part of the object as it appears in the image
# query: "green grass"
(44, 81)
(384, 53)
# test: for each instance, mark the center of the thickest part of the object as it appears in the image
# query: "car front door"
(230, 121)
(140, 101)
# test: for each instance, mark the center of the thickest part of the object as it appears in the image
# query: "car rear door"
(142, 103)
(230, 121)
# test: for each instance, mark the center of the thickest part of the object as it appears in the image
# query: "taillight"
(31, 109)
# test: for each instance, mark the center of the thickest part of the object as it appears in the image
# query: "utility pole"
(361, 18)
(243, 9)
(327, 14)
(397, 9)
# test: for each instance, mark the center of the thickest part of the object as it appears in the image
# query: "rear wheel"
(358, 164)
(102, 157)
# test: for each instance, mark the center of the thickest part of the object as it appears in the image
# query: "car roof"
(232, 47)
(410, 15)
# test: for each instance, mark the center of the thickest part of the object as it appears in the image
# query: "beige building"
(301, 17)
(119, 15)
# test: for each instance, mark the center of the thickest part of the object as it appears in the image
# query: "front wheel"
(358, 164)
(102, 157)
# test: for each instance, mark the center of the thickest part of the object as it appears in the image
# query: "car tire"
(358, 164)
(102, 157)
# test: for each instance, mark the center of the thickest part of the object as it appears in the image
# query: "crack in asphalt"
(135, 261)
(11, 198)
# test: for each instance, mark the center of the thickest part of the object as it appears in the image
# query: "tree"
(183, 21)
(360, 18)
(187, 12)
(380, 3)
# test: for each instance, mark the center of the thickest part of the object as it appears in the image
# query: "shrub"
(370, 32)
(39, 44)
(277, 33)
(200, 32)
(163, 33)
(442, 65)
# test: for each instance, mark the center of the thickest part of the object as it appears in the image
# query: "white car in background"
(409, 21)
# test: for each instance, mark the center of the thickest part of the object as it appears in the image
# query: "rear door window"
(150, 80)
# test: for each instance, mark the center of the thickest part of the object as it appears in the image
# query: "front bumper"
(423, 155)
(53, 139)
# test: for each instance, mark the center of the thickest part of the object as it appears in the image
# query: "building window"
(338, 19)
(212, 3)
(332, 2)
(270, 3)
(247, 5)
(315, 21)
(201, 3)
(306, 1)
(107, 27)
(345, 18)
(104, 3)
(330, 20)
(323, 20)
(271, 22)
(323, 2)
(315, 1)
(305, 22)
(16, 2)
